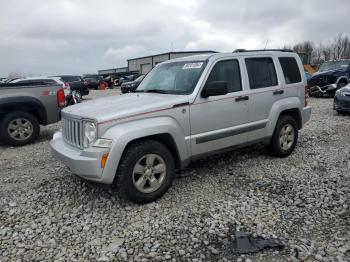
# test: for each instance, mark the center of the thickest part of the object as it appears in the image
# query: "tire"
(22, 122)
(79, 96)
(133, 170)
(285, 136)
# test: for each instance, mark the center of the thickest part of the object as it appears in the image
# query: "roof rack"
(257, 50)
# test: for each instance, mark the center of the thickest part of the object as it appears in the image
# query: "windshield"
(173, 78)
(334, 65)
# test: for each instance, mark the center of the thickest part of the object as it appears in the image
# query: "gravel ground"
(46, 213)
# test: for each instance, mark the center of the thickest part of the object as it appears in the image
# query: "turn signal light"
(104, 160)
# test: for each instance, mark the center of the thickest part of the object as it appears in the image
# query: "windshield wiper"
(159, 91)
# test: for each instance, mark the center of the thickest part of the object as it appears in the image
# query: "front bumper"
(327, 89)
(84, 163)
(342, 103)
(305, 114)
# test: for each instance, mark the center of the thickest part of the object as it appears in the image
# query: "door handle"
(242, 98)
(278, 92)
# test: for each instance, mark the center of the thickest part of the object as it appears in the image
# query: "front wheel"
(145, 172)
(285, 136)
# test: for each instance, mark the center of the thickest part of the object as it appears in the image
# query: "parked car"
(24, 106)
(94, 81)
(342, 100)
(75, 83)
(128, 78)
(331, 76)
(184, 109)
(131, 86)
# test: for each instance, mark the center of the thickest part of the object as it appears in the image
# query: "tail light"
(306, 96)
(61, 99)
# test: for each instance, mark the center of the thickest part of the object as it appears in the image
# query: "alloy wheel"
(287, 136)
(149, 173)
(20, 129)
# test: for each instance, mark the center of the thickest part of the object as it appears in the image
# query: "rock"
(182, 252)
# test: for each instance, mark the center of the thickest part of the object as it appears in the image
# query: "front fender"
(280, 106)
(124, 133)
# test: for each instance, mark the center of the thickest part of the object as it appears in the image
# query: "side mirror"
(215, 88)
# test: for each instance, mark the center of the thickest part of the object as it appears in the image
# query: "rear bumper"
(84, 163)
(305, 115)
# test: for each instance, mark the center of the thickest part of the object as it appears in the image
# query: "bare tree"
(339, 46)
(306, 48)
(15, 75)
(317, 56)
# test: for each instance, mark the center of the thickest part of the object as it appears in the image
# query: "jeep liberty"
(184, 109)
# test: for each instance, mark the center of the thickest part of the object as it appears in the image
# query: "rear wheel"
(145, 172)
(285, 136)
(19, 128)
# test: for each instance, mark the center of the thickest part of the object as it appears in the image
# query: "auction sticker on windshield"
(192, 65)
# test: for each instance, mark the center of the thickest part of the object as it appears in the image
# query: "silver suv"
(184, 109)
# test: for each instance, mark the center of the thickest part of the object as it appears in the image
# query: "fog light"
(104, 160)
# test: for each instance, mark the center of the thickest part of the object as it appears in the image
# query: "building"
(113, 71)
(145, 64)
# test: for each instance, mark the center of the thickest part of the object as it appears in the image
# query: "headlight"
(104, 143)
(90, 133)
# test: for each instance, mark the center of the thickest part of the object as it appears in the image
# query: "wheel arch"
(343, 79)
(295, 113)
(162, 129)
(26, 104)
(288, 106)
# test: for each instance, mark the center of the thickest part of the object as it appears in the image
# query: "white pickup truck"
(184, 109)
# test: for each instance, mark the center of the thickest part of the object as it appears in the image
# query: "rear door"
(265, 90)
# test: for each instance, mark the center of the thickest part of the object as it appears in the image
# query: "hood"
(345, 88)
(329, 72)
(107, 108)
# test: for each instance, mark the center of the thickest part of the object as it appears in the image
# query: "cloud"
(81, 36)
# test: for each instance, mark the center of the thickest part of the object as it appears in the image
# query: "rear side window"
(70, 78)
(261, 72)
(290, 70)
(229, 72)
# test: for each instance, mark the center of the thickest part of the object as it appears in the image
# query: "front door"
(219, 122)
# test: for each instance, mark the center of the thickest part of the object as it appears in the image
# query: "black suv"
(331, 76)
(75, 83)
(93, 81)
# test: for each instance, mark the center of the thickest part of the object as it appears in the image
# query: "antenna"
(267, 41)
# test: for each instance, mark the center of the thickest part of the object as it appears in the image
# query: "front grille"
(72, 131)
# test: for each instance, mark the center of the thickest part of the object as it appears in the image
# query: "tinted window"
(70, 78)
(261, 72)
(290, 70)
(229, 72)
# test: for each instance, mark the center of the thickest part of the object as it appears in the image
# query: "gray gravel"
(48, 214)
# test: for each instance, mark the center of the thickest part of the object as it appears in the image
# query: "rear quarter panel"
(46, 95)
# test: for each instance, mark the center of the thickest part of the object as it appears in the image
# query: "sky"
(47, 37)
